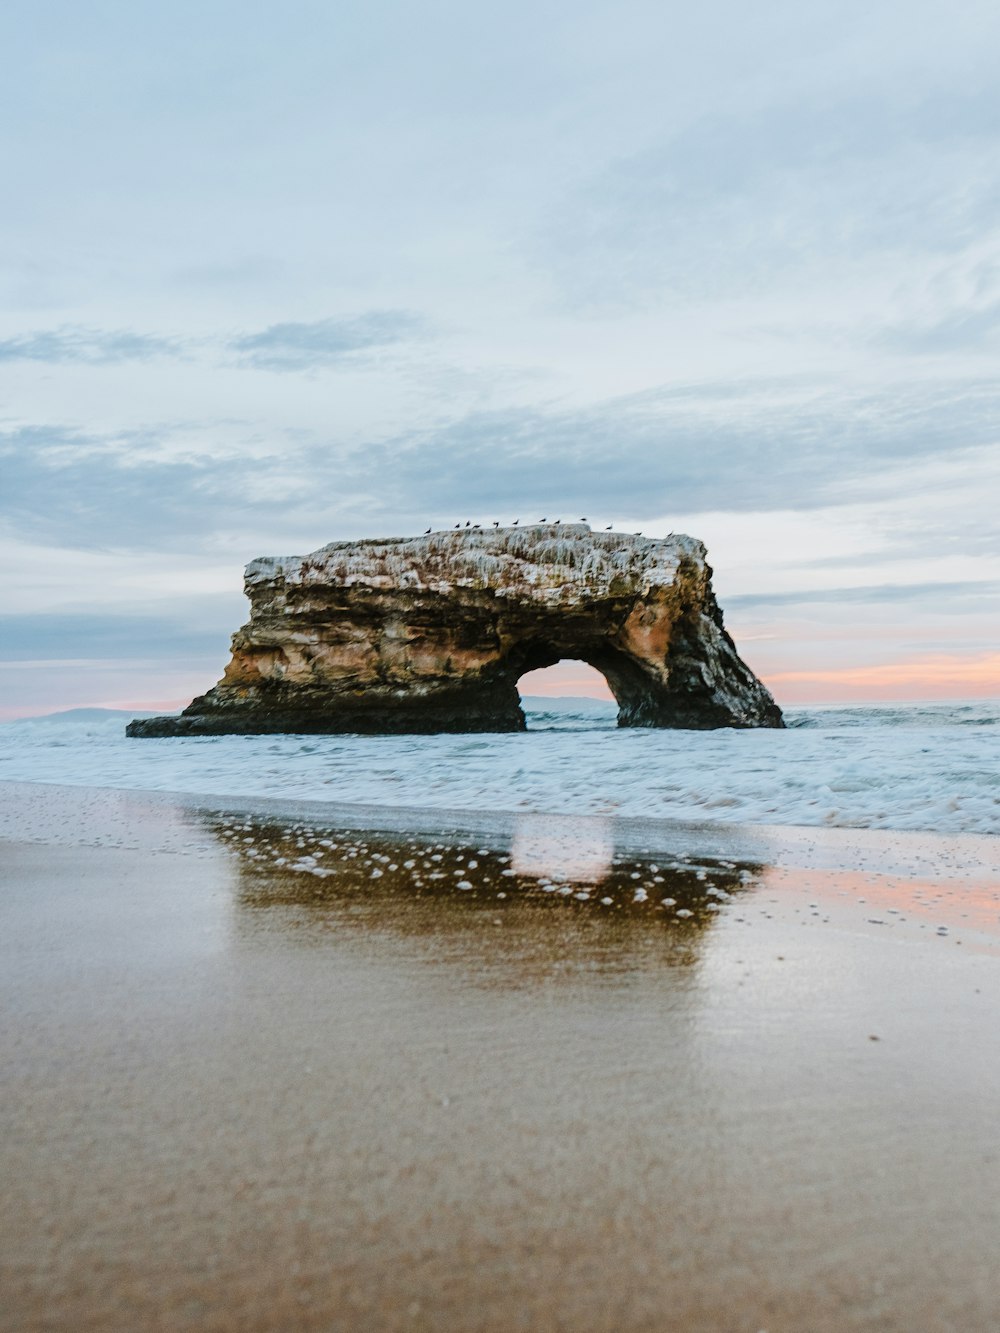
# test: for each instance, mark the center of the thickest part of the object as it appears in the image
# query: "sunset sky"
(272, 276)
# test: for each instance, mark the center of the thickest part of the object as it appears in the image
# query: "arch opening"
(627, 678)
(568, 694)
(569, 678)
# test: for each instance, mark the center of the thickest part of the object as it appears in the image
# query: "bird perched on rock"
(426, 531)
(496, 523)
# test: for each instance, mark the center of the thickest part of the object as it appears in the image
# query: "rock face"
(431, 634)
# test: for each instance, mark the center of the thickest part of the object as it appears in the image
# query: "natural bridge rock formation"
(432, 634)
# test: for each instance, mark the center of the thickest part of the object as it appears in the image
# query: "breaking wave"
(931, 767)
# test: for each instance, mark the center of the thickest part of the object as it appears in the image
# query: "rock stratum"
(431, 634)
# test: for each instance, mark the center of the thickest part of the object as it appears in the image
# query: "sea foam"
(933, 767)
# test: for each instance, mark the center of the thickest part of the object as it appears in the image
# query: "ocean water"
(932, 767)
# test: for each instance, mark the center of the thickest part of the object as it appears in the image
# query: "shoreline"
(274, 1066)
(806, 846)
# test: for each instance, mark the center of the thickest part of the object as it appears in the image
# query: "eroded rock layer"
(431, 634)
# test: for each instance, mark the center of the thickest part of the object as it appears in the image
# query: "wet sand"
(251, 1084)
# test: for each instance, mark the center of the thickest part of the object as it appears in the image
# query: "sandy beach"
(298, 1067)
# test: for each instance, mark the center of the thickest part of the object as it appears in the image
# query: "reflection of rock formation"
(432, 634)
(306, 879)
(575, 851)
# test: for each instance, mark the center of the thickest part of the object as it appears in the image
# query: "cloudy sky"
(274, 275)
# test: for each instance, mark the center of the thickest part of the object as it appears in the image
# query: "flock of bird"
(496, 523)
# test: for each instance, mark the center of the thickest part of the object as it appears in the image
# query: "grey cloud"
(279, 347)
(738, 201)
(77, 489)
(943, 596)
(960, 331)
(250, 271)
(72, 343)
(149, 490)
(324, 342)
(74, 637)
(955, 531)
(756, 447)
(652, 454)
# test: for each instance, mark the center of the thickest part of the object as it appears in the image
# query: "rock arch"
(432, 634)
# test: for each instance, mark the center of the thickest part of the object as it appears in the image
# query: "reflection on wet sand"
(286, 1071)
(563, 894)
(577, 851)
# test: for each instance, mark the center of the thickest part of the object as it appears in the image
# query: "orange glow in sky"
(937, 676)
(565, 679)
(926, 677)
